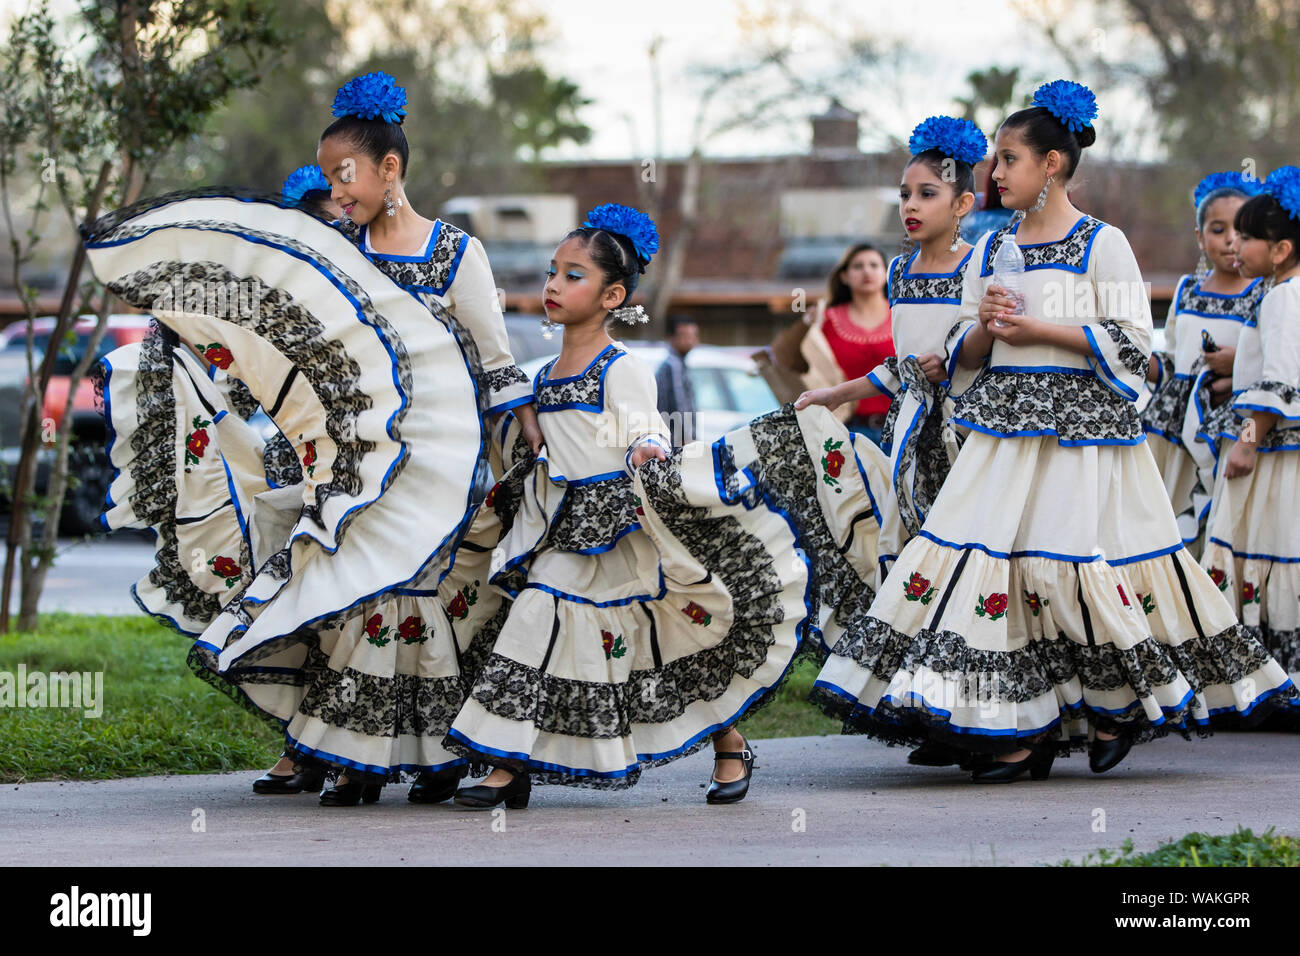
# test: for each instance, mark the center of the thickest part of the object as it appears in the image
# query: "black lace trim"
(1070, 252)
(239, 399)
(1032, 671)
(498, 379)
(594, 515)
(1223, 422)
(925, 449)
(1284, 645)
(1078, 408)
(1130, 356)
(434, 274)
(1167, 409)
(1284, 390)
(280, 462)
(1192, 299)
(588, 389)
(903, 286)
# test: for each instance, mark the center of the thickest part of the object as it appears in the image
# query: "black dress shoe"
(434, 787)
(734, 791)
(514, 794)
(296, 782)
(932, 753)
(1038, 765)
(1103, 755)
(350, 794)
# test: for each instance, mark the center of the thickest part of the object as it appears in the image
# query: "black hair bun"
(1086, 137)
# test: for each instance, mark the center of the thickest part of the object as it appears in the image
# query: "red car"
(88, 460)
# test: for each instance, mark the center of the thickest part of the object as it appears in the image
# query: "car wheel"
(84, 502)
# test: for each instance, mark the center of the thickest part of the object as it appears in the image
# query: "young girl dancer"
(1253, 546)
(1049, 582)
(656, 599)
(937, 190)
(1205, 319)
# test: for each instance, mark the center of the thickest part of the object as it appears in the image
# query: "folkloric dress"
(649, 610)
(1252, 548)
(920, 444)
(1178, 409)
(314, 569)
(1050, 582)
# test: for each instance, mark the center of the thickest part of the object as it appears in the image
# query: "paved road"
(859, 801)
(94, 576)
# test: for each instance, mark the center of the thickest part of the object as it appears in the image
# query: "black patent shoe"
(514, 794)
(1103, 755)
(296, 782)
(350, 794)
(433, 787)
(735, 790)
(1038, 765)
(932, 753)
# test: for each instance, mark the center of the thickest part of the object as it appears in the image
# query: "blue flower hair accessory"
(303, 180)
(372, 96)
(1072, 103)
(1226, 180)
(626, 221)
(1283, 184)
(958, 138)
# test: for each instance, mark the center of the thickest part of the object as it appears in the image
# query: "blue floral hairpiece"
(626, 221)
(1226, 180)
(958, 138)
(1072, 103)
(1283, 184)
(372, 96)
(303, 180)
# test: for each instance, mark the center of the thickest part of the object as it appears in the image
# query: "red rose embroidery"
(834, 462)
(372, 625)
(639, 510)
(492, 495)
(697, 614)
(218, 355)
(1249, 593)
(226, 567)
(458, 608)
(1220, 578)
(614, 646)
(198, 442)
(607, 641)
(410, 629)
(993, 607)
(1122, 596)
(918, 589)
(1034, 602)
(375, 634)
(309, 458)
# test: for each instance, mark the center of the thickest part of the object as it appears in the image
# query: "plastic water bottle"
(1009, 273)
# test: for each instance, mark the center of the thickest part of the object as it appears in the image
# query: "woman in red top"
(851, 334)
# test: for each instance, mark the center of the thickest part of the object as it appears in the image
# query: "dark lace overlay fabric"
(987, 678)
(924, 448)
(594, 515)
(1070, 252)
(903, 287)
(586, 390)
(1224, 422)
(434, 274)
(599, 710)
(1075, 408)
(1167, 409)
(1192, 299)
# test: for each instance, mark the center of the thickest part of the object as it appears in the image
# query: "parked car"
(729, 392)
(88, 459)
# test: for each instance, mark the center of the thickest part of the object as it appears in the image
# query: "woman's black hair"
(1262, 217)
(1213, 196)
(613, 255)
(313, 203)
(374, 138)
(962, 174)
(1044, 133)
(836, 286)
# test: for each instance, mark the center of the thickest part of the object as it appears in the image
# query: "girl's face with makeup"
(575, 287)
(1218, 234)
(357, 182)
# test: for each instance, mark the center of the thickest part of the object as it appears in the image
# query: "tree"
(992, 92)
(153, 73)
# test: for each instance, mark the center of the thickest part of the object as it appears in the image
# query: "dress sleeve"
(1279, 334)
(631, 398)
(972, 291)
(1165, 358)
(1120, 339)
(472, 298)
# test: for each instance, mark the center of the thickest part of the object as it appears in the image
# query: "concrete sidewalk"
(814, 800)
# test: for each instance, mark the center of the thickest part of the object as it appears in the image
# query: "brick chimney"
(836, 130)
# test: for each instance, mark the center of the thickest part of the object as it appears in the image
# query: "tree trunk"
(670, 276)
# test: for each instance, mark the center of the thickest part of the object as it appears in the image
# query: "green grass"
(1239, 848)
(789, 714)
(159, 718)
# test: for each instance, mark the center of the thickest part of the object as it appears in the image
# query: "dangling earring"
(548, 328)
(1202, 268)
(1042, 196)
(956, 236)
(388, 200)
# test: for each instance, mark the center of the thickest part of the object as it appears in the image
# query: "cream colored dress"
(314, 570)
(1181, 399)
(1253, 535)
(648, 610)
(1050, 583)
